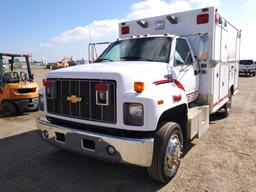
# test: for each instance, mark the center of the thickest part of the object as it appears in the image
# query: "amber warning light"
(139, 87)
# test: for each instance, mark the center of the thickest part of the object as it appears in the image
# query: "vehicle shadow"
(217, 116)
(245, 76)
(17, 115)
(27, 163)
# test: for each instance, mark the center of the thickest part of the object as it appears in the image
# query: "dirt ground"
(222, 160)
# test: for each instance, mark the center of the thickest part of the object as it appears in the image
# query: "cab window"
(182, 55)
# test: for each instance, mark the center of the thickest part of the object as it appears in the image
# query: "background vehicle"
(147, 93)
(18, 92)
(247, 67)
(65, 62)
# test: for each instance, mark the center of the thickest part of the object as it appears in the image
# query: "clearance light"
(177, 97)
(125, 30)
(139, 87)
(202, 19)
(160, 102)
(216, 19)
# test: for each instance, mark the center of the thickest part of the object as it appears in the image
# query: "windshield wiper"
(135, 58)
(104, 59)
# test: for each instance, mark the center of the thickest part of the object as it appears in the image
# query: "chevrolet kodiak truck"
(148, 92)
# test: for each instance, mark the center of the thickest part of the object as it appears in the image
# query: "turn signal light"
(139, 87)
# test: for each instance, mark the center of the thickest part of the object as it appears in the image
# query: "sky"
(52, 29)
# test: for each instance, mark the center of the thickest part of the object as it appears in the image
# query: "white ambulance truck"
(148, 92)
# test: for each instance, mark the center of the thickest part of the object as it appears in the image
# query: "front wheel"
(9, 109)
(167, 152)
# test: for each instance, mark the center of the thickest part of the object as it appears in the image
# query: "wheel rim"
(172, 156)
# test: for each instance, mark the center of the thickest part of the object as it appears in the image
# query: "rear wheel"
(167, 152)
(227, 106)
(9, 109)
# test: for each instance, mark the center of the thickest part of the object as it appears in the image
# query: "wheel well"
(178, 115)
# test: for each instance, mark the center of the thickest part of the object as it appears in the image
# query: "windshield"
(155, 49)
(246, 62)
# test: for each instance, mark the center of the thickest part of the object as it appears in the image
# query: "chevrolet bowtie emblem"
(74, 99)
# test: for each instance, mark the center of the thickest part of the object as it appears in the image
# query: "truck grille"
(87, 108)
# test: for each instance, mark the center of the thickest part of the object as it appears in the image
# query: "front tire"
(167, 152)
(9, 109)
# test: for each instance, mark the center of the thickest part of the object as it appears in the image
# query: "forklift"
(18, 92)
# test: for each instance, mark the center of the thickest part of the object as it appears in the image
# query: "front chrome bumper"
(127, 150)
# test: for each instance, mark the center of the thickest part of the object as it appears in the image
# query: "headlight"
(133, 114)
(41, 102)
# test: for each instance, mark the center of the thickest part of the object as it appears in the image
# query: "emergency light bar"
(202, 19)
(125, 30)
(142, 23)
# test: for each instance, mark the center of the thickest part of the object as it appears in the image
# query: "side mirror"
(203, 51)
(212, 63)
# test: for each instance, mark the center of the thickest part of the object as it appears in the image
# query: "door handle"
(196, 72)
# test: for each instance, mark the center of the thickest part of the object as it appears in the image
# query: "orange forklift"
(18, 92)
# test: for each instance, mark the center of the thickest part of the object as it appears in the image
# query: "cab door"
(185, 68)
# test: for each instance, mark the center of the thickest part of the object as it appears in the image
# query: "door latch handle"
(196, 72)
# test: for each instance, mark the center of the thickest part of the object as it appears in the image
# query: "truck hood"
(124, 73)
(107, 69)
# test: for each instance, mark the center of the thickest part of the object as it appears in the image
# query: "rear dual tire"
(167, 152)
(227, 106)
